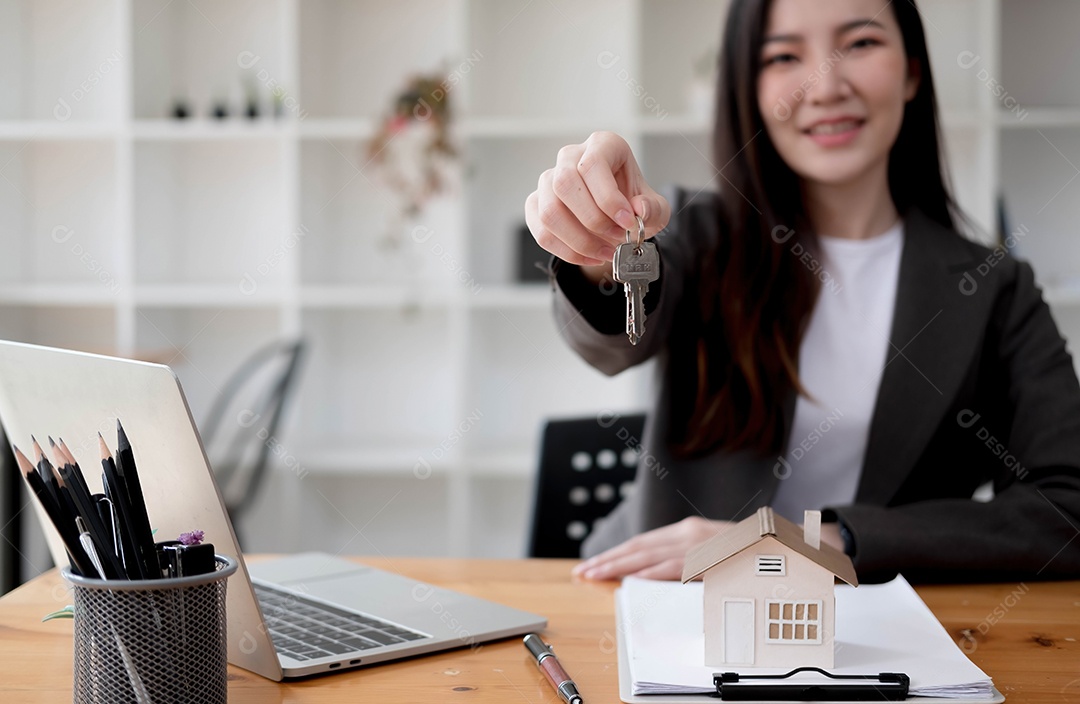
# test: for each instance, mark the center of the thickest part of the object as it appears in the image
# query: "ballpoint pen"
(549, 665)
(88, 546)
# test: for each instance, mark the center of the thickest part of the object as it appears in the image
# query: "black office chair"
(587, 466)
(244, 419)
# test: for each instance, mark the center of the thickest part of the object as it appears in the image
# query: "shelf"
(39, 295)
(207, 238)
(204, 53)
(201, 129)
(375, 297)
(569, 129)
(207, 296)
(1040, 117)
(356, 129)
(27, 130)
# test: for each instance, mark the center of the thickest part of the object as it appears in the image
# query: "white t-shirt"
(841, 360)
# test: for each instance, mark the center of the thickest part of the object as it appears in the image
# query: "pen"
(88, 546)
(549, 665)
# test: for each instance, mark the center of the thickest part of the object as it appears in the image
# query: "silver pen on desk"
(549, 665)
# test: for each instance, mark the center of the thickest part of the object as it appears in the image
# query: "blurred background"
(193, 181)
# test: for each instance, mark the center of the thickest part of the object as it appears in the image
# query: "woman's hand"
(582, 208)
(657, 554)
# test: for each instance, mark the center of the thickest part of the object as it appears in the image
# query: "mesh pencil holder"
(155, 640)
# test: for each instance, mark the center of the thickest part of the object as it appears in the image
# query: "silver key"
(635, 266)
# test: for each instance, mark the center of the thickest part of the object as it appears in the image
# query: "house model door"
(739, 631)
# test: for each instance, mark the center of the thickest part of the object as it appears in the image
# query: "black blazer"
(978, 386)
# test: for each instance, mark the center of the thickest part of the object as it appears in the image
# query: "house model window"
(793, 621)
(771, 565)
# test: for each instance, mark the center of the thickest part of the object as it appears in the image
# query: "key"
(635, 266)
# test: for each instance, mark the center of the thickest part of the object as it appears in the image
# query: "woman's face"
(833, 85)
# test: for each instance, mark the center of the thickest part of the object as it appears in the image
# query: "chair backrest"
(239, 431)
(587, 466)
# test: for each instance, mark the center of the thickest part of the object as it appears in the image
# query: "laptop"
(288, 617)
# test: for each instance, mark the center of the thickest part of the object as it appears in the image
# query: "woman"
(825, 338)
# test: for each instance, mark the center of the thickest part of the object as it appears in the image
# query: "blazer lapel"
(936, 330)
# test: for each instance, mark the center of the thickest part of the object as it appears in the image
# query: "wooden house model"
(769, 592)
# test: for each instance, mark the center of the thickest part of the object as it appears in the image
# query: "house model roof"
(752, 530)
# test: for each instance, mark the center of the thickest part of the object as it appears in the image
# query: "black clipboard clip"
(888, 686)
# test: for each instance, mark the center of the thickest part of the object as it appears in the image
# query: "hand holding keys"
(635, 266)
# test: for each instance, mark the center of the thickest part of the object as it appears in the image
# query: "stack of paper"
(879, 628)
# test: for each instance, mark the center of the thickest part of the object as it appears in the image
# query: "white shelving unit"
(126, 230)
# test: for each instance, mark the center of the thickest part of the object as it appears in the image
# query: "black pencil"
(125, 466)
(84, 508)
(45, 469)
(85, 505)
(64, 523)
(68, 460)
(133, 560)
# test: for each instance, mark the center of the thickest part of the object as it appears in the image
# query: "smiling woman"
(828, 133)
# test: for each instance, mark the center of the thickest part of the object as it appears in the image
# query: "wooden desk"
(1030, 646)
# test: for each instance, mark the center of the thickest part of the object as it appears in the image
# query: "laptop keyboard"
(305, 629)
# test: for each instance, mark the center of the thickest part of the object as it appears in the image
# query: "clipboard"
(626, 685)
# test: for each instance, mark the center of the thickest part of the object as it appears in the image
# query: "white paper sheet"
(879, 628)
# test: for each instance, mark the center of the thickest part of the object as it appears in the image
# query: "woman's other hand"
(656, 554)
(582, 208)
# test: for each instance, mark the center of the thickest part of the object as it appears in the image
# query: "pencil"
(64, 523)
(62, 449)
(85, 505)
(133, 560)
(68, 460)
(125, 467)
(44, 468)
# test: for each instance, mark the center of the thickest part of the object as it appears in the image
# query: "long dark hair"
(756, 296)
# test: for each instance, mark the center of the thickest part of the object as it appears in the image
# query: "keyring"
(640, 234)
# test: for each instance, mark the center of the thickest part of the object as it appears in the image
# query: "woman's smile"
(835, 132)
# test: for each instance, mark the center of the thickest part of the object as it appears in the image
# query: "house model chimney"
(812, 529)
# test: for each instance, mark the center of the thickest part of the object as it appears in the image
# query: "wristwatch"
(847, 537)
